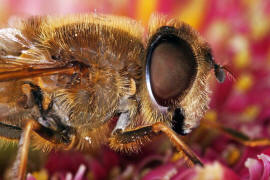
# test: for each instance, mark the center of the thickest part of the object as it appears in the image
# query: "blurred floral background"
(239, 33)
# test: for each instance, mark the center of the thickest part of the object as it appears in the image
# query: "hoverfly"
(63, 80)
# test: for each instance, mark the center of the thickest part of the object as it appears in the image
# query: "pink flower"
(259, 169)
(239, 34)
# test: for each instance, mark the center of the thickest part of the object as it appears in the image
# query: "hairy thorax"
(88, 98)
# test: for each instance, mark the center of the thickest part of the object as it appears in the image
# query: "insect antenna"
(221, 75)
(231, 75)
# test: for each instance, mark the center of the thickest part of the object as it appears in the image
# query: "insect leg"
(130, 140)
(51, 126)
(10, 132)
(18, 169)
(30, 73)
(178, 143)
(236, 135)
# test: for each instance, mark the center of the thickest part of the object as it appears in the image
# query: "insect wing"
(20, 61)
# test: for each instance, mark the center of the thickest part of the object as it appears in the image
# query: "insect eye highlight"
(171, 68)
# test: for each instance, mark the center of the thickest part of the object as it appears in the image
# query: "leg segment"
(178, 143)
(130, 140)
(236, 135)
(18, 169)
(29, 73)
(23, 150)
(62, 140)
(9, 132)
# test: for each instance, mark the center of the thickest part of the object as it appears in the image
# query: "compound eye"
(172, 69)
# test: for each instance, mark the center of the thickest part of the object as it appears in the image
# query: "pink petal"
(162, 172)
(68, 176)
(30, 177)
(80, 172)
(255, 168)
(266, 164)
(187, 174)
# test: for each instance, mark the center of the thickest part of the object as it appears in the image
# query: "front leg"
(131, 140)
(235, 135)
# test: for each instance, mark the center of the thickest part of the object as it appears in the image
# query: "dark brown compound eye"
(171, 68)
